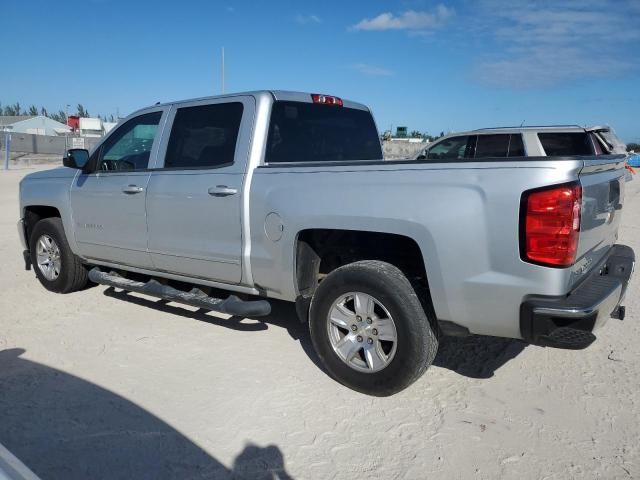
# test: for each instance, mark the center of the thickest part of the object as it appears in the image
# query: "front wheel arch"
(32, 214)
(73, 274)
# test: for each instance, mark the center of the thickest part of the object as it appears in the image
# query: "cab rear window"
(309, 132)
(566, 143)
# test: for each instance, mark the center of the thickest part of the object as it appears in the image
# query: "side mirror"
(76, 158)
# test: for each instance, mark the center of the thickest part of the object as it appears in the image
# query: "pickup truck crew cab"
(284, 195)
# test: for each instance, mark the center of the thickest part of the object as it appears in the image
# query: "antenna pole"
(222, 69)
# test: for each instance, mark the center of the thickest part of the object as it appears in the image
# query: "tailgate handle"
(222, 191)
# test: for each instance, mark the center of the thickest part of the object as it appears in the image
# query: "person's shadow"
(61, 426)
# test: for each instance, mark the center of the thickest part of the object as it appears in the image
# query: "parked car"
(507, 142)
(283, 195)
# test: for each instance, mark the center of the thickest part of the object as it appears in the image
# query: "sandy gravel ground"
(99, 384)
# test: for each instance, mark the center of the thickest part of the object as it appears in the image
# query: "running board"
(231, 305)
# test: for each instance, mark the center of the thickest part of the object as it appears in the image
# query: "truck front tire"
(370, 330)
(55, 265)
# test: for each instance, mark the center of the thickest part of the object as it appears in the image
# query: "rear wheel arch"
(320, 251)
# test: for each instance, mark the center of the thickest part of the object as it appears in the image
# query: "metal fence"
(30, 143)
(27, 143)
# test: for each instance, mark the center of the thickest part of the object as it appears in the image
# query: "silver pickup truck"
(282, 195)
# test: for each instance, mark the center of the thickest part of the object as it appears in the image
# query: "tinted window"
(597, 146)
(129, 147)
(448, 149)
(600, 145)
(516, 147)
(492, 146)
(307, 132)
(610, 141)
(204, 136)
(569, 143)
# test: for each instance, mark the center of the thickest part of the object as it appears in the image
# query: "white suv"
(524, 142)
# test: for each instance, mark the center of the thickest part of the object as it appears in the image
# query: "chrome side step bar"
(231, 305)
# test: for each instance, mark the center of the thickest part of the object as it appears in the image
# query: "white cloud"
(410, 20)
(545, 66)
(307, 19)
(367, 69)
(548, 43)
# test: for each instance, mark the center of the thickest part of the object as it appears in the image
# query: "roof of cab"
(284, 95)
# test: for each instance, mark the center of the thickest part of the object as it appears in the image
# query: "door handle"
(131, 189)
(222, 191)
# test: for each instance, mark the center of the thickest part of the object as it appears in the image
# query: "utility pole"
(223, 70)
(66, 133)
(7, 150)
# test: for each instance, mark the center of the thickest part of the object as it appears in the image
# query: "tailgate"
(602, 181)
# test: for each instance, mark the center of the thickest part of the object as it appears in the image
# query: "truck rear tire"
(56, 266)
(370, 330)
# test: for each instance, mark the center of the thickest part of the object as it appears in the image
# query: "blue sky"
(432, 66)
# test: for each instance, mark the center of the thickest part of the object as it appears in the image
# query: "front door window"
(449, 149)
(129, 148)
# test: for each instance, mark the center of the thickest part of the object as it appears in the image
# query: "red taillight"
(552, 225)
(326, 99)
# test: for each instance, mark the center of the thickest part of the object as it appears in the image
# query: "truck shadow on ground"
(61, 426)
(473, 356)
(283, 315)
(476, 356)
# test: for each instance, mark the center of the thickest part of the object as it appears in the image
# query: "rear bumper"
(568, 321)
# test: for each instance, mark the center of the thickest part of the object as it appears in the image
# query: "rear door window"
(516, 146)
(309, 132)
(204, 136)
(492, 146)
(450, 149)
(566, 143)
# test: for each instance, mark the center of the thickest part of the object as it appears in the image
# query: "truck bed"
(464, 216)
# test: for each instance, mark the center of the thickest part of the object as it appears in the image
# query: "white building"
(409, 140)
(38, 125)
(91, 127)
(108, 126)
